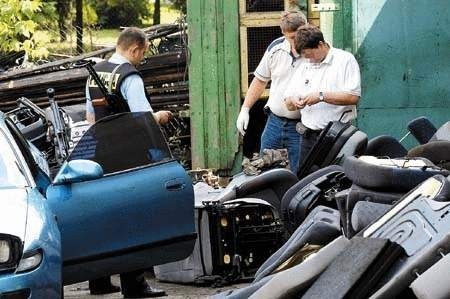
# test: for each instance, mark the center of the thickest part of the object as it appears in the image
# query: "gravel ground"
(174, 291)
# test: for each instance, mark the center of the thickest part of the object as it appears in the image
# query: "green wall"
(403, 48)
(214, 82)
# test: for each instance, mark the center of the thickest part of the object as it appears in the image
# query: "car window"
(11, 175)
(122, 142)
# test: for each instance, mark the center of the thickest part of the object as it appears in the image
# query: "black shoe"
(102, 286)
(146, 293)
(108, 290)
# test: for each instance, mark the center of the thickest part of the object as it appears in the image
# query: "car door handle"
(175, 184)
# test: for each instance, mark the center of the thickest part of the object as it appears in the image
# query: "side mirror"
(78, 171)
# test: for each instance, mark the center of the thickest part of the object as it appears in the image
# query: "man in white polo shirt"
(277, 65)
(325, 89)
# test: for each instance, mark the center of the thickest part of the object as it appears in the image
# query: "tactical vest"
(112, 76)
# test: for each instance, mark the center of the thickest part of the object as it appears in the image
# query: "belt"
(305, 131)
(268, 112)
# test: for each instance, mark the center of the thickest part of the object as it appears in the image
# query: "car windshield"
(122, 142)
(11, 175)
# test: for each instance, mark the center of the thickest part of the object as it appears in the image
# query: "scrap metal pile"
(164, 72)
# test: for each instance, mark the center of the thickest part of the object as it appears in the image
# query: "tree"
(157, 12)
(63, 9)
(19, 21)
(180, 5)
(116, 13)
(79, 25)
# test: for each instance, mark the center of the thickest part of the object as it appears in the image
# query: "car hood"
(13, 211)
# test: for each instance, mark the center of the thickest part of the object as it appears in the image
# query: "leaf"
(19, 21)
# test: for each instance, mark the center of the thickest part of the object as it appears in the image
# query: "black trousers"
(130, 282)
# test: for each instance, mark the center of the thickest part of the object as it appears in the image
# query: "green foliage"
(116, 13)
(90, 16)
(19, 22)
(180, 5)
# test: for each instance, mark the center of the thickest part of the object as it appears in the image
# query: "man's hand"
(293, 103)
(162, 117)
(311, 99)
(242, 120)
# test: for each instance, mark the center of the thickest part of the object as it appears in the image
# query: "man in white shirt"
(325, 89)
(277, 65)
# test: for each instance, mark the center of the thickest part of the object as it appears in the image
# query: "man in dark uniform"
(121, 78)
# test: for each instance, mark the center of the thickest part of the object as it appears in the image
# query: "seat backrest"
(327, 147)
(437, 152)
(385, 146)
(422, 129)
(390, 175)
(355, 145)
(269, 186)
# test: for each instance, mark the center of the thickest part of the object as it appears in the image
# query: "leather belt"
(305, 131)
(268, 112)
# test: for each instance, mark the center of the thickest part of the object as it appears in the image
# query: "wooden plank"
(221, 138)
(54, 64)
(195, 15)
(244, 60)
(163, 60)
(260, 19)
(55, 77)
(210, 87)
(232, 87)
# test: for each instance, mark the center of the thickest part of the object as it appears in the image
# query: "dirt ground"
(174, 291)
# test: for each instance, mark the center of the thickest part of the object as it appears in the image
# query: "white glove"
(242, 120)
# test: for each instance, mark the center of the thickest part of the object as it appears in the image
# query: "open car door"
(133, 211)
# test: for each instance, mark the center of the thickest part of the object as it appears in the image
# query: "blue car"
(119, 203)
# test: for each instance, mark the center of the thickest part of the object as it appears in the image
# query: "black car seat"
(328, 148)
(437, 152)
(269, 186)
(385, 146)
(309, 192)
(422, 129)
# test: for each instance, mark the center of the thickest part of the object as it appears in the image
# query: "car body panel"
(24, 213)
(44, 281)
(13, 211)
(42, 232)
(95, 216)
(128, 219)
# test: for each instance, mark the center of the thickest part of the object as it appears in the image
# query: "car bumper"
(42, 282)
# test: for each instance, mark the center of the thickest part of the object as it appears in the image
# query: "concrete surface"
(174, 291)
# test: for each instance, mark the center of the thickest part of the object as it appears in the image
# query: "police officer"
(121, 78)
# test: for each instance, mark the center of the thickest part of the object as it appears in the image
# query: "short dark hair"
(308, 37)
(291, 20)
(131, 36)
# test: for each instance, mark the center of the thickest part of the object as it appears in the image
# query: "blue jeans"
(280, 133)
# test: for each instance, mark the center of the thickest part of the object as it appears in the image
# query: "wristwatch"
(321, 97)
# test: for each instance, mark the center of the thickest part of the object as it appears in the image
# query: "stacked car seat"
(378, 227)
(238, 229)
